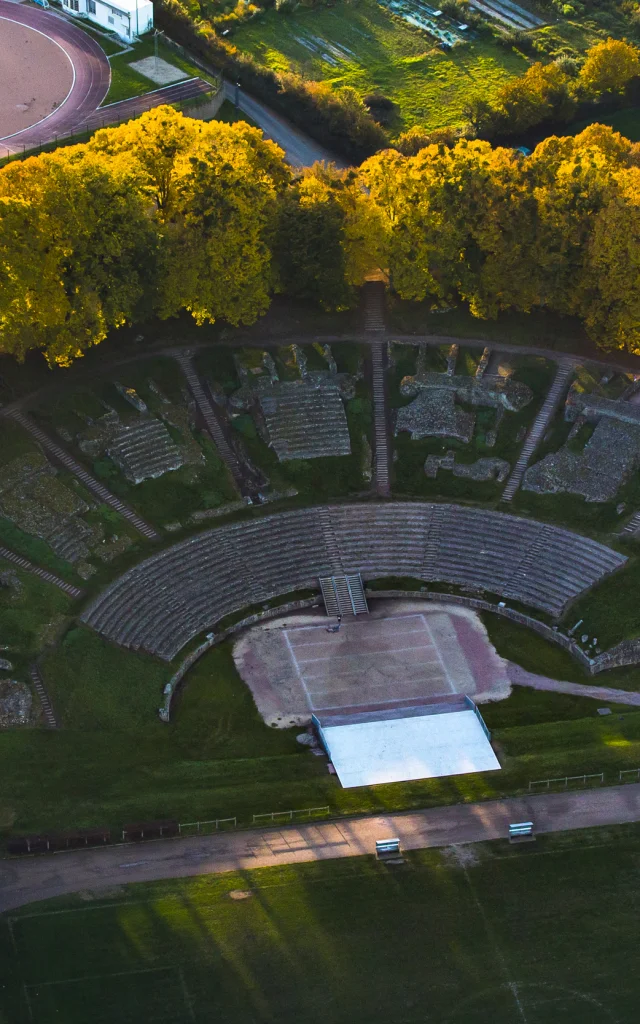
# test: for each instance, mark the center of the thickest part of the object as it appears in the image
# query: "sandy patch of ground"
(159, 71)
(408, 651)
(35, 77)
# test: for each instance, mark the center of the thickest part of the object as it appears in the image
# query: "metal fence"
(307, 812)
(565, 780)
(196, 828)
(630, 771)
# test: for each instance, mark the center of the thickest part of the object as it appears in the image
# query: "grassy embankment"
(114, 761)
(363, 45)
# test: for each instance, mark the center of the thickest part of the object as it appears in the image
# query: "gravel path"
(37, 878)
(520, 677)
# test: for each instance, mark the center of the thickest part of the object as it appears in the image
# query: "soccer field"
(483, 934)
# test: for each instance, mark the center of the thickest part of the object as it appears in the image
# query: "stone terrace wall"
(166, 600)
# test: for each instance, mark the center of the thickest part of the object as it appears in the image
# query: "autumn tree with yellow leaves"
(168, 214)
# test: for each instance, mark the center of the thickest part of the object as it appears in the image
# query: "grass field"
(362, 45)
(479, 934)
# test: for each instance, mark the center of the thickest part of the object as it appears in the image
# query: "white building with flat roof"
(127, 18)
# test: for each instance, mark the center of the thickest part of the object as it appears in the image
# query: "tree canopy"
(167, 213)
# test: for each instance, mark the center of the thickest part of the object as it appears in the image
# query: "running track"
(39, 878)
(91, 84)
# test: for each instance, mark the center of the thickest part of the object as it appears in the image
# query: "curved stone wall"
(166, 600)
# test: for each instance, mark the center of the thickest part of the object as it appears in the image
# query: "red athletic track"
(92, 77)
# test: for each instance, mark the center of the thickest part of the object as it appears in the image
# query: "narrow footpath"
(38, 878)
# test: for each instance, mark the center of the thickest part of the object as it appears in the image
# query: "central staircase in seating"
(344, 595)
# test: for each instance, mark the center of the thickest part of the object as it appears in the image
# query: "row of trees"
(553, 92)
(167, 213)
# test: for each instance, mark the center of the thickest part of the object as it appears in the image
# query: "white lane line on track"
(16, 21)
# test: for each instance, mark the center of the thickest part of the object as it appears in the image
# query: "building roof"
(370, 749)
(125, 6)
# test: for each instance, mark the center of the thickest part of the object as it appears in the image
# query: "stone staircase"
(330, 540)
(538, 429)
(43, 696)
(344, 595)
(382, 476)
(18, 560)
(228, 456)
(633, 526)
(373, 293)
(81, 473)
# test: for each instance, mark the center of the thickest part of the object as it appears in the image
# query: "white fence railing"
(290, 815)
(565, 780)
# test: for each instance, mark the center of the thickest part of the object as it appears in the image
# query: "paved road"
(36, 878)
(299, 149)
(90, 86)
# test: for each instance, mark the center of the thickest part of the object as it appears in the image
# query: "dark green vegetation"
(487, 934)
(31, 614)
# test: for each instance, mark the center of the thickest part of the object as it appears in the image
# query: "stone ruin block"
(481, 469)
(435, 412)
(609, 457)
(15, 703)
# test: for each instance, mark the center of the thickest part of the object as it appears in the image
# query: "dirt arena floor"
(35, 77)
(405, 651)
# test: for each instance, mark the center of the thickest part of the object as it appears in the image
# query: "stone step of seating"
(633, 526)
(43, 696)
(69, 541)
(81, 473)
(542, 420)
(23, 563)
(146, 450)
(253, 561)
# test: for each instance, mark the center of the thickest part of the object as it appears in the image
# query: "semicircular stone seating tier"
(166, 600)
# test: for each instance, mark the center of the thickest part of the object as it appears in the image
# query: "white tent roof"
(375, 750)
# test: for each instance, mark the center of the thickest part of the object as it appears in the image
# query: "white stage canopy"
(398, 745)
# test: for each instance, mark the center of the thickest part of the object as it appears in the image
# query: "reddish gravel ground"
(35, 77)
(90, 84)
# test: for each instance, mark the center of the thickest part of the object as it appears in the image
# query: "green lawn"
(481, 934)
(114, 761)
(363, 45)
(126, 82)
